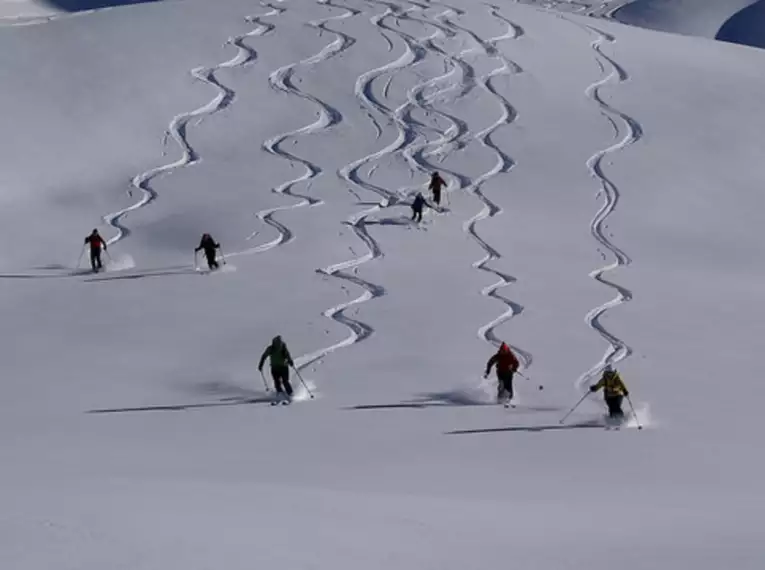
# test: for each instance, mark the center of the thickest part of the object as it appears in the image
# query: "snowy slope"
(603, 205)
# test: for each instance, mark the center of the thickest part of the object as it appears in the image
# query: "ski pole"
(522, 375)
(265, 382)
(109, 255)
(634, 414)
(222, 255)
(79, 259)
(571, 411)
(196, 260)
(307, 389)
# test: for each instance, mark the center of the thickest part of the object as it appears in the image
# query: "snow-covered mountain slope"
(603, 205)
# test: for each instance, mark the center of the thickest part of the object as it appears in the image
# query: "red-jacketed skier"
(436, 184)
(96, 243)
(507, 366)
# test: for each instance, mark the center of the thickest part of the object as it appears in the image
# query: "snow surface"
(604, 204)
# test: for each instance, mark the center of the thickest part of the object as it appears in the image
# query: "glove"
(485, 376)
(626, 394)
(593, 389)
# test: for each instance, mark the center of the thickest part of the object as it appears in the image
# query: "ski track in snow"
(281, 80)
(630, 131)
(503, 165)
(415, 50)
(177, 130)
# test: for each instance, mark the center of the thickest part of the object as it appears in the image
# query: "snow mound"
(689, 17)
(747, 27)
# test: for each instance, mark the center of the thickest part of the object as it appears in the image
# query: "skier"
(614, 391)
(209, 246)
(417, 206)
(96, 242)
(436, 183)
(280, 362)
(507, 365)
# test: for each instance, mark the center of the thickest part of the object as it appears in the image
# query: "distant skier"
(208, 245)
(280, 362)
(436, 184)
(417, 206)
(614, 391)
(507, 366)
(96, 243)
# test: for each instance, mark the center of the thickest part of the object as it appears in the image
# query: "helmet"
(504, 349)
(94, 232)
(277, 341)
(608, 368)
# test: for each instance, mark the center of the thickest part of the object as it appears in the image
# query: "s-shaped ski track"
(503, 165)
(281, 80)
(177, 130)
(630, 132)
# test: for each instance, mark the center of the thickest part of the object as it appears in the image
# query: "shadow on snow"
(551, 427)
(82, 5)
(183, 407)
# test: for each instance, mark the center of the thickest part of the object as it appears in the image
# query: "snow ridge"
(631, 132)
(177, 129)
(503, 165)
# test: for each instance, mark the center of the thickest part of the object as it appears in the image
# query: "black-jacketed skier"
(417, 206)
(507, 366)
(614, 391)
(96, 243)
(209, 245)
(436, 184)
(281, 361)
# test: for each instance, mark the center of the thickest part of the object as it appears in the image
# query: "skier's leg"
(98, 259)
(618, 406)
(286, 381)
(614, 404)
(93, 265)
(210, 255)
(508, 381)
(277, 378)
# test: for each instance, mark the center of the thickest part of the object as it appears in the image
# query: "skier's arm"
(288, 357)
(491, 363)
(598, 386)
(623, 386)
(103, 242)
(266, 354)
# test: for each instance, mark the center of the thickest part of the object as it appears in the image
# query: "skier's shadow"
(144, 273)
(429, 400)
(530, 429)
(229, 395)
(183, 407)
